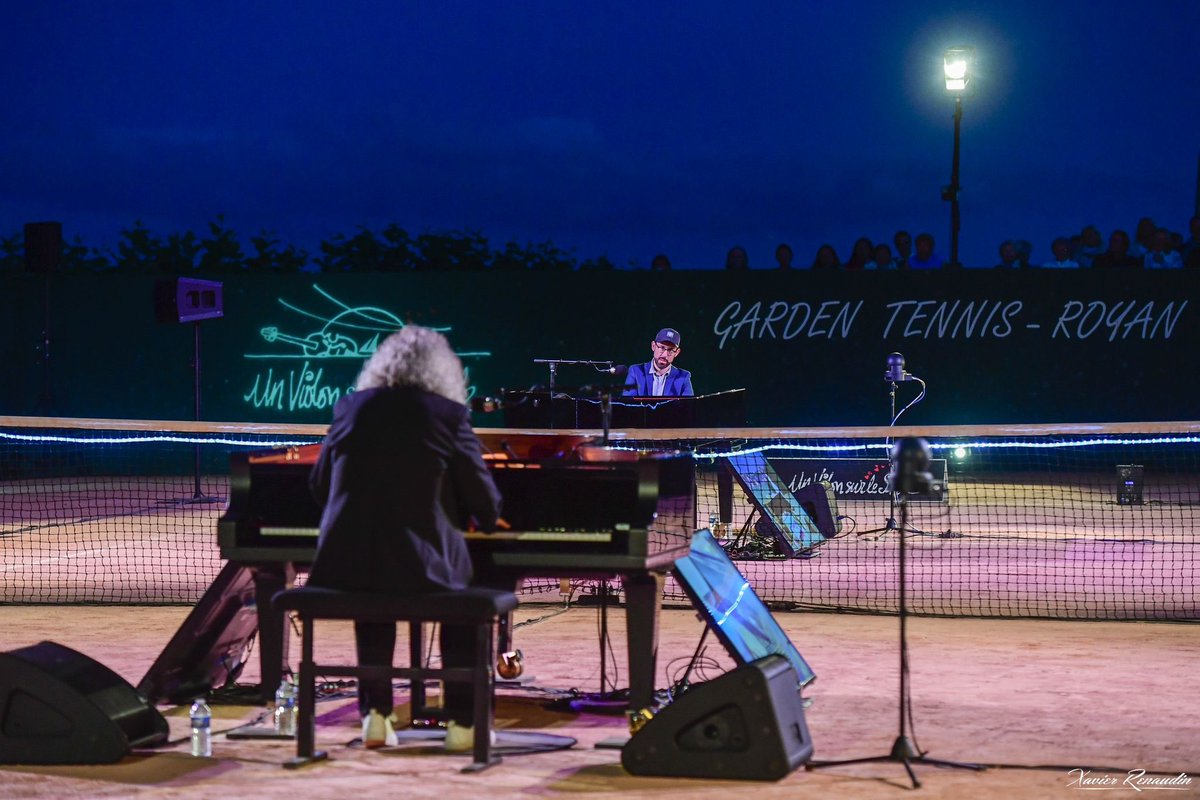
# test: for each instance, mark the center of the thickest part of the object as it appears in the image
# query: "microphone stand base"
(903, 752)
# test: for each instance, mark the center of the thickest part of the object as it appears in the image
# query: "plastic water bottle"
(285, 708)
(201, 716)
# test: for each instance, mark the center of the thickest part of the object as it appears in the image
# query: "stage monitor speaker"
(747, 724)
(43, 246)
(1132, 479)
(188, 300)
(57, 706)
(820, 502)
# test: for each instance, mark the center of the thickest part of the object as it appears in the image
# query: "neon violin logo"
(350, 333)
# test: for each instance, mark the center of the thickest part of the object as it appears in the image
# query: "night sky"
(617, 128)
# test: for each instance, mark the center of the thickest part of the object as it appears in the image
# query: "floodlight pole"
(954, 185)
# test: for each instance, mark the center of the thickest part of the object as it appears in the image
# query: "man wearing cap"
(658, 377)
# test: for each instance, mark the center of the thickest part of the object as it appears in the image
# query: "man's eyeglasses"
(666, 348)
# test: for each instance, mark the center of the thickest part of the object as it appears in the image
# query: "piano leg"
(724, 493)
(269, 580)
(504, 633)
(416, 655)
(643, 596)
(508, 660)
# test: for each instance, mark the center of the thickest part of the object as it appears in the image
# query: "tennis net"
(1051, 521)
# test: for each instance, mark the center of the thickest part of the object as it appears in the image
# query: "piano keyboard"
(501, 536)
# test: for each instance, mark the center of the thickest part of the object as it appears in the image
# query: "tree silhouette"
(219, 251)
(12, 252)
(268, 257)
(138, 250)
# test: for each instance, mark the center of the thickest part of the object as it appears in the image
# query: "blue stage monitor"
(790, 523)
(739, 617)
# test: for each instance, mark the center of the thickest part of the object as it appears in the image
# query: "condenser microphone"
(486, 405)
(895, 369)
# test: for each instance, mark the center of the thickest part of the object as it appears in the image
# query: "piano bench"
(479, 607)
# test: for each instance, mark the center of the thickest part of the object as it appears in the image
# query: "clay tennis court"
(113, 570)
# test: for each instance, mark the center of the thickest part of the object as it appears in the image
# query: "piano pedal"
(510, 665)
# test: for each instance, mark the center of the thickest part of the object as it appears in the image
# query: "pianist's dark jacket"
(399, 475)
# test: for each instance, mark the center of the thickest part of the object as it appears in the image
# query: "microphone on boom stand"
(487, 405)
(895, 370)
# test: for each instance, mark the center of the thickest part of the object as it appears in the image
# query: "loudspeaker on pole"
(43, 246)
(57, 706)
(188, 300)
(747, 724)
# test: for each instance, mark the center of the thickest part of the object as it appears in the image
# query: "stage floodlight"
(957, 66)
(960, 452)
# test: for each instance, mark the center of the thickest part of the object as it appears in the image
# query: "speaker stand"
(903, 750)
(198, 495)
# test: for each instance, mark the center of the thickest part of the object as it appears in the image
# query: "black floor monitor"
(733, 611)
(791, 525)
(211, 646)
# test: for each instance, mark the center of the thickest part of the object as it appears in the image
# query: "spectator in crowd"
(660, 263)
(737, 259)
(860, 255)
(1191, 248)
(1024, 252)
(882, 258)
(925, 258)
(1117, 255)
(1143, 236)
(903, 242)
(1010, 257)
(784, 255)
(1161, 255)
(1061, 248)
(1090, 245)
(826, 258)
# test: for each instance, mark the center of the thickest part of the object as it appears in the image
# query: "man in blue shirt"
(659, 377)
(925, 257)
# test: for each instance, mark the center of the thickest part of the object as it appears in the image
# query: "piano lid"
(497, 445)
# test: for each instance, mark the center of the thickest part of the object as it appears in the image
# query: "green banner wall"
(810, 349)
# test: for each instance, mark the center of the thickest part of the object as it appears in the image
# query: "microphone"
(911, 459)
(486, 405)
(895, 369)
(616, 369)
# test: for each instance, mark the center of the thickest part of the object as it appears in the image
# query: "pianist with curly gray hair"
(400, 476)
(417, 357)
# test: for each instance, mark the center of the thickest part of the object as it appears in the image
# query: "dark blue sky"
(613, 128)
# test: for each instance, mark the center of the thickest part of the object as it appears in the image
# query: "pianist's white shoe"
(461, 738)
(378, 731)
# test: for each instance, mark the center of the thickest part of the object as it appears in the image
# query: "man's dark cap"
(668, 335)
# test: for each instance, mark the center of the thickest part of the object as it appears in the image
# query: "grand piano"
(576, 510)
